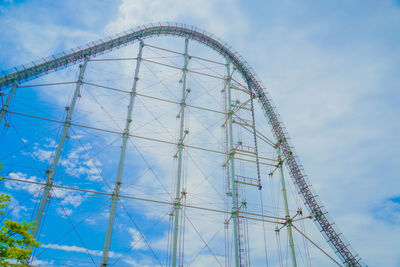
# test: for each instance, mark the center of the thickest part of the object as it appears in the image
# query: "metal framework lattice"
(53, 63)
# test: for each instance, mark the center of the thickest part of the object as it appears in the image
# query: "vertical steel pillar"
(125, 137)
(180, 157)
(64, 133)
(235, 209)
(4, 109)
(252, 95)
(285, 204)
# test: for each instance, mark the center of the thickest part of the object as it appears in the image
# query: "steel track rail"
(28, 72)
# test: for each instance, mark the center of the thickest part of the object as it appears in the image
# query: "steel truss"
(35, 69)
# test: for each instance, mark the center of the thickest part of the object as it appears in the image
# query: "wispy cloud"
(68, 199)
(137, 239)
(79, 250)
(78, 163)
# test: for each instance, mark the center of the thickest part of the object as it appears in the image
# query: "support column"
(252, 96)
(51, 172)
(117, 187)
(235, 209)
(177, 206)
(285, 204)
(4, 109)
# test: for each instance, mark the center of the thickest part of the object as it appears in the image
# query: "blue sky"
(331, 68)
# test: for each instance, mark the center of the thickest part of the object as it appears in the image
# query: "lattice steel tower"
(189, 174)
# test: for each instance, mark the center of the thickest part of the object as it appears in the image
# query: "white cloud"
(15, 207)
(74, 137)
(216, 16)
(22, 186)
(90, 221)
(64, 212)
(137, 239)
(80, 250)
(147, 262)
(37, 262)
(42, 154)
(68, 198)
(79, 164)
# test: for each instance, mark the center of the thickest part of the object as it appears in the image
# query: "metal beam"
(142, 137)
(51, 172)
(235, 208)
(155, 98)
(125, 136)
(157, 201)
(4, 108)
(178, 194)
(286, 207)
(255, 140)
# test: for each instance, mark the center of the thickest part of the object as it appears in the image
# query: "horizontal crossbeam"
(147, 199)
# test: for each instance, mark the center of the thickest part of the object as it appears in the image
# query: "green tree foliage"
(16, 240)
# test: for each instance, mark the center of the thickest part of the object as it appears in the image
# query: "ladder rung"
(243, 124)
(242, 107)
(251, 180)
(240, 89)
(246, 151)
(240, 182)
